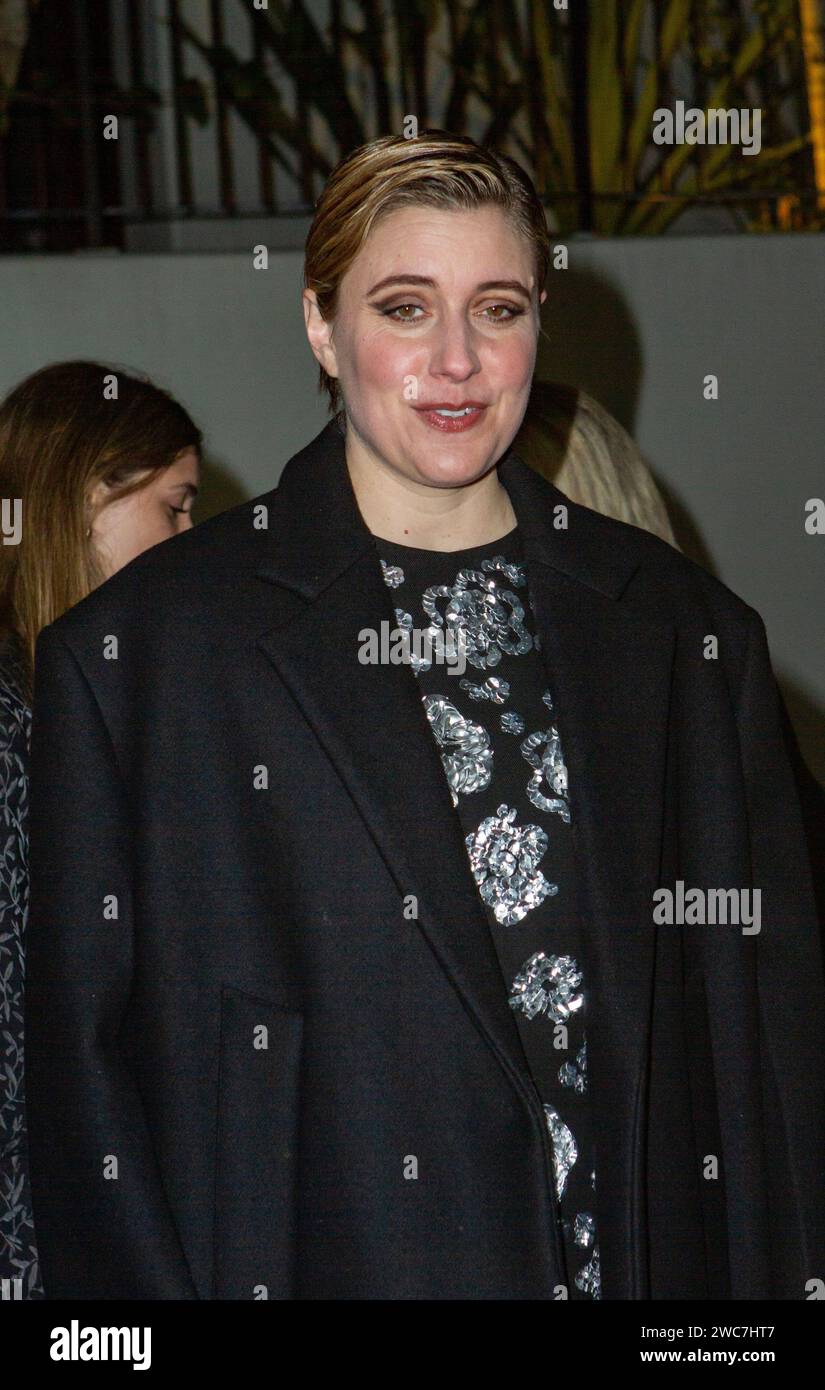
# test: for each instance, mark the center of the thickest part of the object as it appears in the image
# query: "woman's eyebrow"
(425, 280)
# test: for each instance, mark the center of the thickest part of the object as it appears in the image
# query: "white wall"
(636, 322)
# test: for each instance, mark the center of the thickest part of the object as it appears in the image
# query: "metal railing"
(201, 106)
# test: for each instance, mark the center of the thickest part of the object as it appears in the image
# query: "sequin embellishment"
(584, 1229)
(494, 689)
(589, 1279)
(393, 574)
(504, 859)
(550, 985)
(418, 663)
(574, 1074)
(470, 766)
(550, 771)
(565, 1151)
(490, 619)
(485, 608)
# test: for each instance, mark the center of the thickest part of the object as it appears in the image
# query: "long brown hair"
(64, 429)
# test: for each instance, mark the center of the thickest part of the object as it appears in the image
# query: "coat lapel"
(370, 720)
(610, 670)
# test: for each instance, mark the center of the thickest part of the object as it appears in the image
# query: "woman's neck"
(399, 509)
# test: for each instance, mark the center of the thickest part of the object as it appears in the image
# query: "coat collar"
(611, 667)
(327, 532)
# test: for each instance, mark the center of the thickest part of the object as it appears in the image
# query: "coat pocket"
(256, 1160)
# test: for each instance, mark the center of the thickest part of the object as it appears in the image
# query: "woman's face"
(438, 310)
(129, 525)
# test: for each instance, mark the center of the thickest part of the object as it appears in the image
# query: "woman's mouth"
(451, 419)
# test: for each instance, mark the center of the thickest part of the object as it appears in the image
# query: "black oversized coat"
(230, 814)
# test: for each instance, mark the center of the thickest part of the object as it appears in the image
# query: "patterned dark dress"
(19, 1267)
(498, 735)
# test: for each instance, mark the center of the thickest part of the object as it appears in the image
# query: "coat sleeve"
(103, 1224)
(790, 982)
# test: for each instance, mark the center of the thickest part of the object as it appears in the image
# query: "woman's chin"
(453, 472)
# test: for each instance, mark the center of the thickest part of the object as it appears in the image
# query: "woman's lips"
(452, 424)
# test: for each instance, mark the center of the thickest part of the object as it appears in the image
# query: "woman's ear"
(95, 497)
(319, 333)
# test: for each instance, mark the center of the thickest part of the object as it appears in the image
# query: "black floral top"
(496, 728)
(18, 1255)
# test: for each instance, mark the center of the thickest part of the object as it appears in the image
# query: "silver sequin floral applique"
(466, 752)
(512, 723)
(574, 1074)
(417, 662)
(512, 570)
(565, 1151)
(504, 858)
(584, 1229)
(589, 1279)
(393, 574)
(543, 751)
(494, 689)
(549, 985)
(489, 619)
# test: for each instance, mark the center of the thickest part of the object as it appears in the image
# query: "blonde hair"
(575, 443)
(59, 437)
(433, 169)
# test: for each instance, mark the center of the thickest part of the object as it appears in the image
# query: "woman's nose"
(453, 351)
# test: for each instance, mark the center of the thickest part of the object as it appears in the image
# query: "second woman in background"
(96, 466)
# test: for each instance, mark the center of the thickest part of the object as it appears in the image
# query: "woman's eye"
(494, 313)
(391, 313)
(510, 312)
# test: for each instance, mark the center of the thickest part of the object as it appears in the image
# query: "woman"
(339, 988)
(96, 466)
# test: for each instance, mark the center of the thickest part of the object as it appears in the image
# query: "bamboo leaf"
(673, 29)
(554, 91)
(652, 216)
(632, 35)
(753, 49)
(672, 34)
(641, 127)
(288, 31)
(769, 156)
(604, 97)
(258, 104)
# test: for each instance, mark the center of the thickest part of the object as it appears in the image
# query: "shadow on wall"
(575, 443)
(590, 342)
(219, 489)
